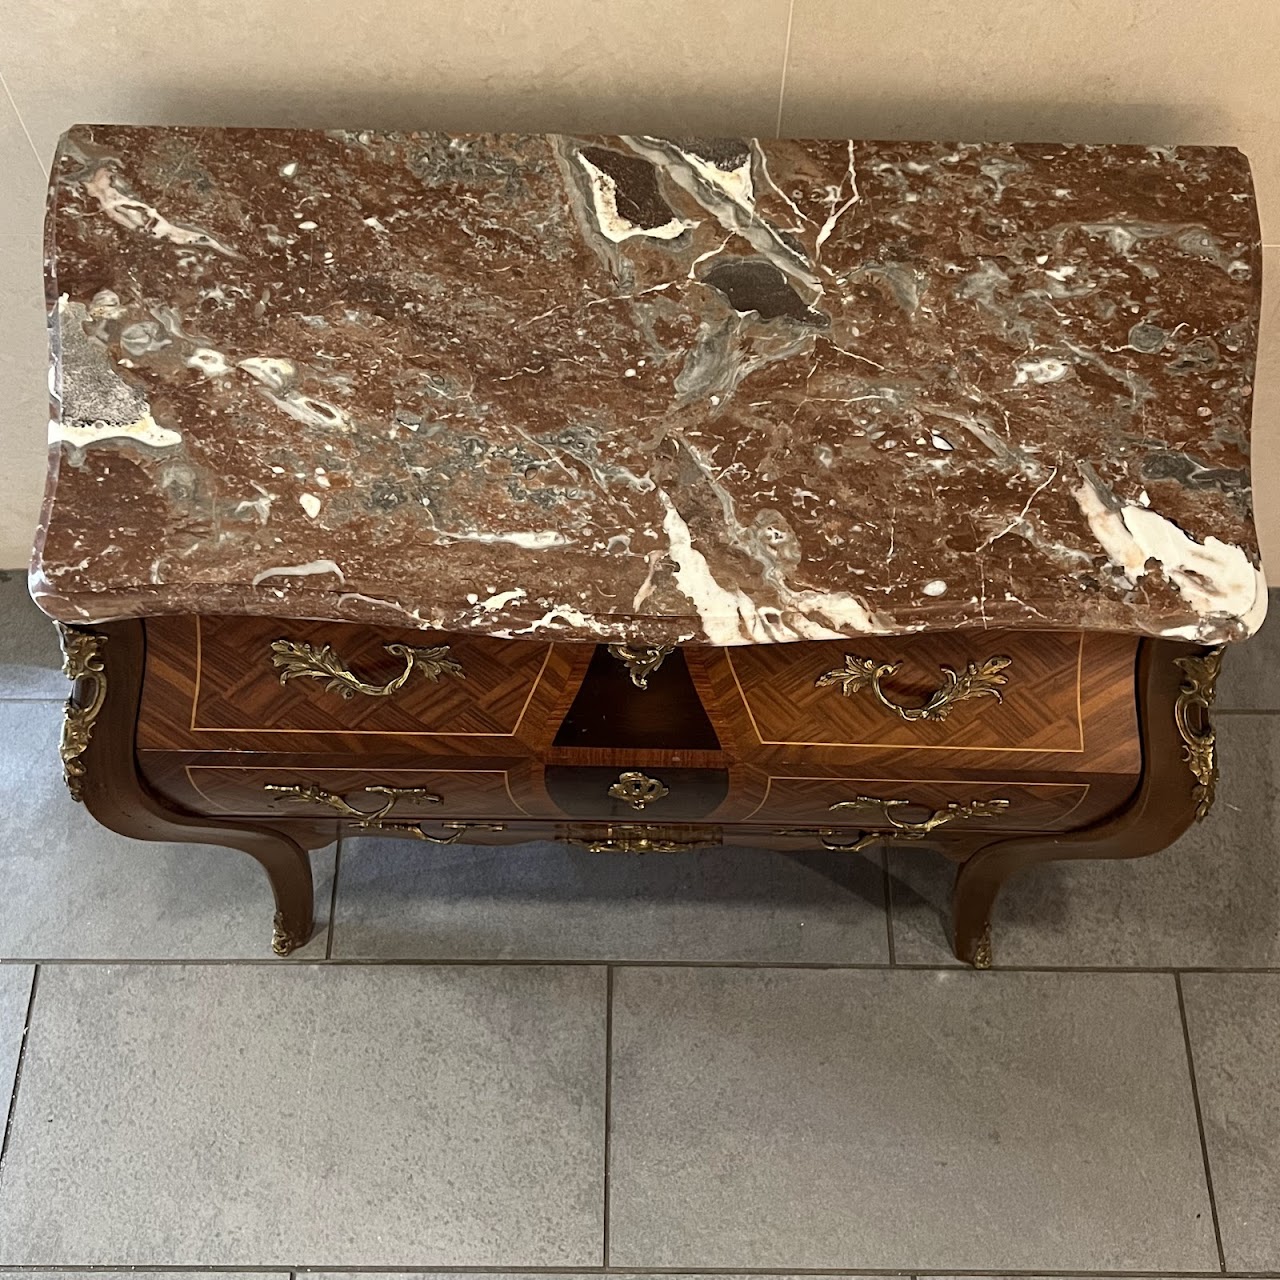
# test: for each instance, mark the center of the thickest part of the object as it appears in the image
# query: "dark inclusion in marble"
(651, 389)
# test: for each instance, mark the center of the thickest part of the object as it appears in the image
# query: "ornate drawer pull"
(641, 660)
(377, 819)
(637, 789)
(641, 840)
(296, 659)
(824, 835)
(952, 812)
(976, 681)
(918, 830)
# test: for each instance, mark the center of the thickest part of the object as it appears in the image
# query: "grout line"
(569, 1273)
(786, 57)
(470, 962)
(1204, 1144)
(22, 124)
(888, 904)
(17, 1071)
(333, 897)
(608, 1106)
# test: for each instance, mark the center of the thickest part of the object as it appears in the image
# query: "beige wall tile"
(1068, 70)
(585, 65)
(23, 383)
(24, 396)
(23, 206)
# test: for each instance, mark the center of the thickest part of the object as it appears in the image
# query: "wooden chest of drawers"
(649, 493)
(994, 748)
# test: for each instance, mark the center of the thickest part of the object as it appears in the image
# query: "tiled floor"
(543, 1061)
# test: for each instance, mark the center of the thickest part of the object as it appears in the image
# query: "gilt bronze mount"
(82, 659)
(977, 680)
(320, 662)
(1191, 713)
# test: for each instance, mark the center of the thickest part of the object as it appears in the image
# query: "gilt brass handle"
(641, 660)
(953, 812)
(641, 840)
(378, 819)
(898, 828)
(296, 659)
(637, 789)
(824, 835)
(977, 680)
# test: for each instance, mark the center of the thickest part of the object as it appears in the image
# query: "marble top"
(655, 390)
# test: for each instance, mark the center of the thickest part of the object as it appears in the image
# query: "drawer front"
(245, 677)
(659, 794)
(950, 806)
(307, 792)
(960, 691)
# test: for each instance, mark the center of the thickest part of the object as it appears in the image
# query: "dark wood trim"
(115, 794)
(1139, 805)
(1160, 810)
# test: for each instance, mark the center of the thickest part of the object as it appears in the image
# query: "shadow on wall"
(537, 109)
(1023, 120)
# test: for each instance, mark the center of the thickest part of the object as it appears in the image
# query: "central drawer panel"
(660, 795)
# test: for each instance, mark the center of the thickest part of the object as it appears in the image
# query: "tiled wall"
(1082, 70)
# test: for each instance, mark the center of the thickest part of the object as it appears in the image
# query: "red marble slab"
(726, 391)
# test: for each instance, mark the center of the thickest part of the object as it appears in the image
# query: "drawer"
(299, 791)
(1043, 693)
(248, 683)
(659, 794)
(945, 805)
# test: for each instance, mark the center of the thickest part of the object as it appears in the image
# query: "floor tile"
(903, 1120)
(1250, 679)
(1211, 899)
(554, 902)
(1234, 1023)
(556, 65)
(299, 1115)
(15, 995)
(74, 890)
(24, 390)
(150, 1275)
(30, 660)
(542, 1275)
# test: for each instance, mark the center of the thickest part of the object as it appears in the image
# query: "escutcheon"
(1191, 713)
(637, 789)
(81, 660)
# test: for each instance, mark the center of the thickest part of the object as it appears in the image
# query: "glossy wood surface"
(211, 685)
(1068, 706)
(750, 749)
